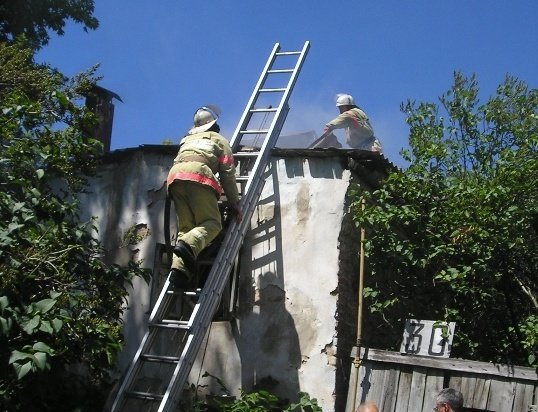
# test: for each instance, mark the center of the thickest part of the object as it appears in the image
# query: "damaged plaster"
(291, 254)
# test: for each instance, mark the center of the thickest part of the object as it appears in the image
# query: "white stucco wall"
(125, 193)
(291, 268)
(285, 319)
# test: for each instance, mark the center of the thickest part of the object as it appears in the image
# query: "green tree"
(34, 18)
(454, 236)
(60, 304)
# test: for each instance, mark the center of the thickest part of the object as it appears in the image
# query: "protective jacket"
(201, 156)
(360, 134)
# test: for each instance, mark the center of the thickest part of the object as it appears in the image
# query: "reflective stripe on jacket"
(201, 156)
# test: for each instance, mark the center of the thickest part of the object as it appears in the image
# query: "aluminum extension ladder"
(158, 373)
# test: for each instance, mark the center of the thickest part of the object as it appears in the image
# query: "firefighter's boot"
(180, 278)
(184, 251)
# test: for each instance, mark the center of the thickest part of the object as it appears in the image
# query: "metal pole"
(357, 360)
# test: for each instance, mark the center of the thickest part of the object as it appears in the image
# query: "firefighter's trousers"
(198, 215)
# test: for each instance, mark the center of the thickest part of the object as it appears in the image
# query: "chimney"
(99, 101)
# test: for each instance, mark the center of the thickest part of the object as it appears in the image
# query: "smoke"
(302, 117)
(305, 116)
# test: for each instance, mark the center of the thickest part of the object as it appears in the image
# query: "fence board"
(404, 389)
(434, 383)
(354, 385)
(501, 395)
(390, 392)
(481, 392)
(524, 396)
(418, 385)
(468, 384)
(377, 389)
(455, 382)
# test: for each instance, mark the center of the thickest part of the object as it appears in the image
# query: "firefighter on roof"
(360, 134)
(195, 191)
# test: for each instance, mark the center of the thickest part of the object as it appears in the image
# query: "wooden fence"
(408, 383)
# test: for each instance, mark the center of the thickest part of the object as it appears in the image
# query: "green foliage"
(454, 237)
(263, 401)
(34, 18)
(305, 404)
(256, 400)
(20, 76)
(60, 303)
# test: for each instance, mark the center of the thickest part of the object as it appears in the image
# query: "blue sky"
(165, 58)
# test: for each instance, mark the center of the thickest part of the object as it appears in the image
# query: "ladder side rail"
(218, 276)
(224, 260)
(146, 341)
(157, 307)
(130, 375)
(234, 142)
(207, 305)
(210, 296)
(272, 136)
(265, 152)
(212, 291)
(177, 382)
(236, 232)
(234, 286)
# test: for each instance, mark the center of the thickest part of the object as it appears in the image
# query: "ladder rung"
(290, 53)
(272, 109)
(246, 154)
(173, 291)
(169, 326)
(254, 131)
(183, 292)
(272, 90)
(175, 322)
(280, 71)
(144, 395)
(160, 358)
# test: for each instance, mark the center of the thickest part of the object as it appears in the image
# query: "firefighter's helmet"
(204, 118)
(344, 100)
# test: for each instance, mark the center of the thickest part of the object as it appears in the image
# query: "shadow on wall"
(265, 331)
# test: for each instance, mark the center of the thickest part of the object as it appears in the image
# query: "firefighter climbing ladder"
(160, 368)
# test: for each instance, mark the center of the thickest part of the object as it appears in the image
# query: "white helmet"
(343, 99)
(204, 118)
